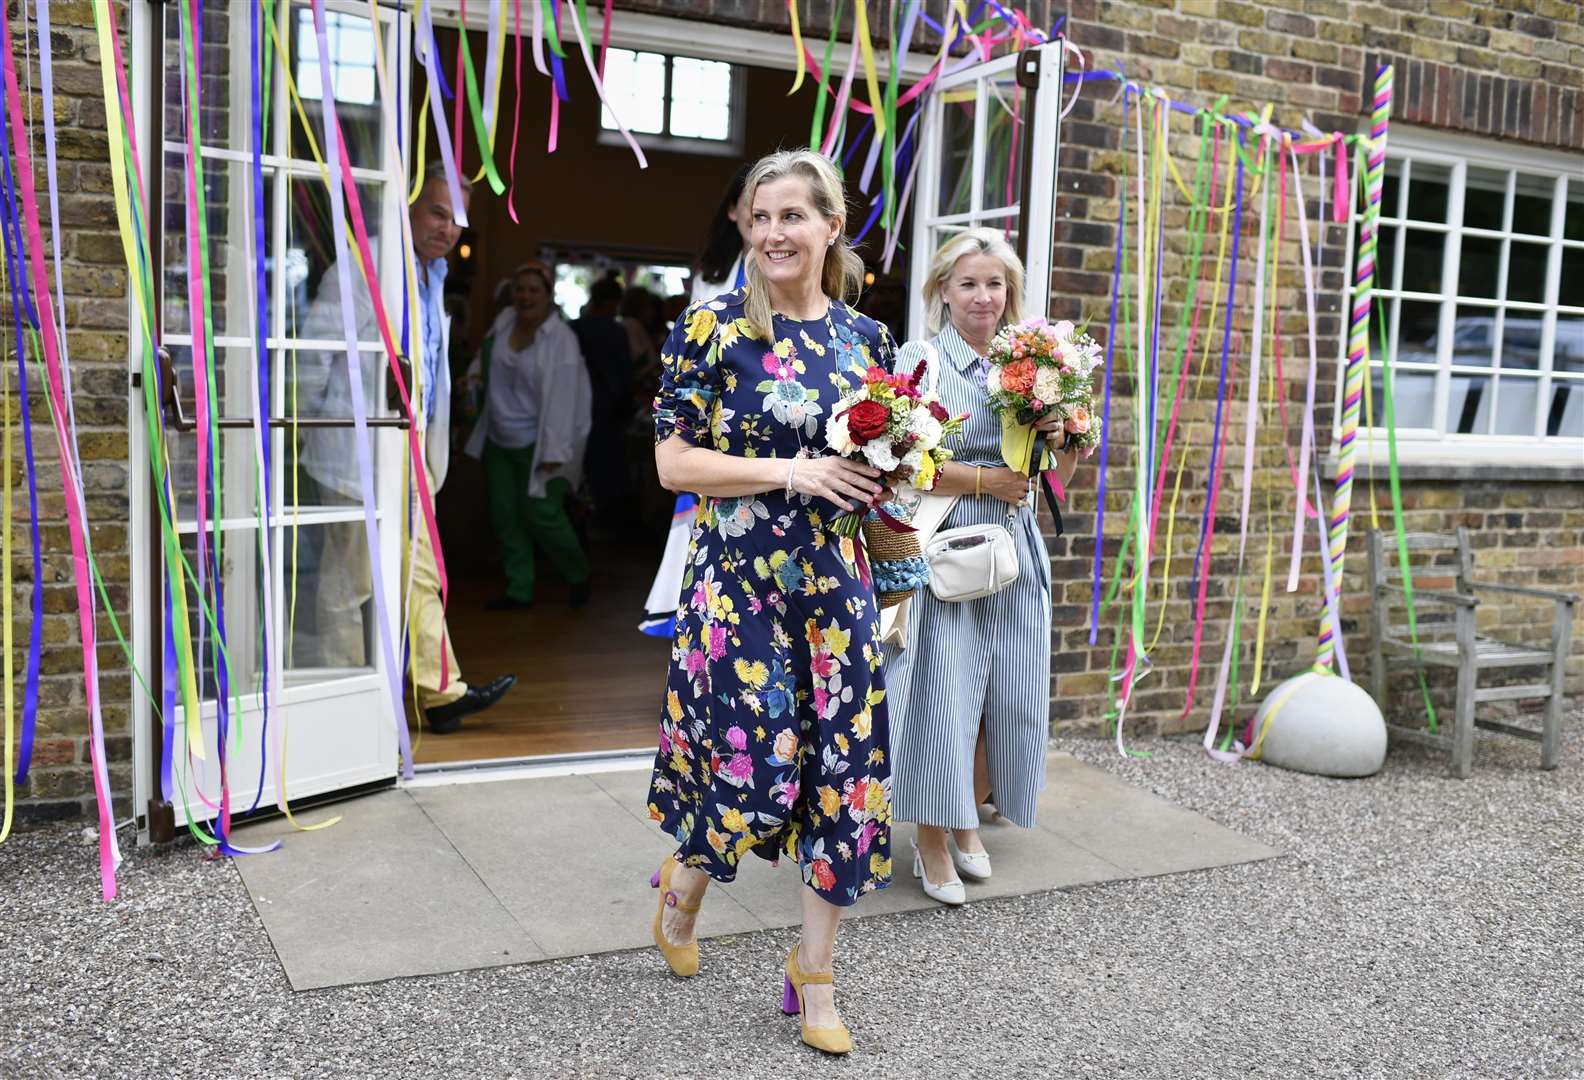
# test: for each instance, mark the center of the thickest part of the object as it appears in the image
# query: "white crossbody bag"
(965, 563)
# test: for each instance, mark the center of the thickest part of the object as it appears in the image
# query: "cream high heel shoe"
(974, 864)
(950, 893)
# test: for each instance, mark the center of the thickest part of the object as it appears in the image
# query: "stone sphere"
(1323, 724)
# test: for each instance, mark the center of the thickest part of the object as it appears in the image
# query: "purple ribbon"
(1221, 386)
(261, 324)
(22, 308)
(1105, 413)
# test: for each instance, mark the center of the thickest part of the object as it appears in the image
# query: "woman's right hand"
(847, 484)
(1005, 484)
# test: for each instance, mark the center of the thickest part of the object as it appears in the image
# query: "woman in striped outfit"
(970, 688)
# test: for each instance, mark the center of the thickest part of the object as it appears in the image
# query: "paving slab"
(569, 863)
(379, 895)
(448, 878)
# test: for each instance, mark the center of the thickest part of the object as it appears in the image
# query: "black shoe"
(580, 594)
(444, 719)
(507, 602)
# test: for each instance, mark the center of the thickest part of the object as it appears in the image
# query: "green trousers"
(522, 521)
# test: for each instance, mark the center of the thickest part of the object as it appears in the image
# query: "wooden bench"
(1466, 650)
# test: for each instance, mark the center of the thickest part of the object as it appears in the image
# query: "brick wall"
(1513, 70)
(96, 313)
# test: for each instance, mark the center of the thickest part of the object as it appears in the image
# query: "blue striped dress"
(983, 659)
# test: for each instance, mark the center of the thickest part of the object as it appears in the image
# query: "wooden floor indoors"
(586, 680)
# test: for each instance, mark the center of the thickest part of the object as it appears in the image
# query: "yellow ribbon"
(871, 79)
(797, 44)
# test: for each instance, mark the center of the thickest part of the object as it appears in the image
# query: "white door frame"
(371, 751)
(1040, 70)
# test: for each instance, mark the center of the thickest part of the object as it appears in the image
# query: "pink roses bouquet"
(1038, 367)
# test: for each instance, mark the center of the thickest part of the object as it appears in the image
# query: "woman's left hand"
(1051, 425)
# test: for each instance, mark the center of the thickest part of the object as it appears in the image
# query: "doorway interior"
(588, 680)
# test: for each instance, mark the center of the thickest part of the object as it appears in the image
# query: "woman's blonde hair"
(977, 241)
(842, 276)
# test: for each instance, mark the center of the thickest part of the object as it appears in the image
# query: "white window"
(673, 102)
(1480, 281)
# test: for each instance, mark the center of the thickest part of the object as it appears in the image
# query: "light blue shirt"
(431, 300)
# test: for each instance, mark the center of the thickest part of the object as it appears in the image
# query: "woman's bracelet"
(978, 480)
(791, 471)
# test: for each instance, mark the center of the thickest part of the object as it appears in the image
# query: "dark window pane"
(1427, 192)
(1417, 341)
(1478, 266)
(1386, 257)
(1566, 415)
(1573, 221)
(1468, 404)
(1473, 336)
(1520, 341)
(1532, 205)
(1569, 352)
(1526, 272)
(1570, 293)
(1391, 187)
(1423, 254)
(1484, 198)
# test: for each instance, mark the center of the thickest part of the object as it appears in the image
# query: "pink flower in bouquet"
(867, 420)
(1078, 422)
(938, 411)
(1018, 376)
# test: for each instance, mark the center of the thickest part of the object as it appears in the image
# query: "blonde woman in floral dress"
(773, 736)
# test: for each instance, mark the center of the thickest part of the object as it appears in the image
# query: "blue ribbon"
(22, 307)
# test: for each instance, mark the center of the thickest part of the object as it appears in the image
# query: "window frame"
(731, 146)
(1436, 445)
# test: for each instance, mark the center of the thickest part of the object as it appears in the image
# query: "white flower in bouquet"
(925, 428)
(914, 461)
(878, 453)
(993, 381)
(1047, 385)
(1064, 330)
(838, 436)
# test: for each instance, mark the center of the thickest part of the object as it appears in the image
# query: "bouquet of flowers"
(890, 423)
(1036, 368)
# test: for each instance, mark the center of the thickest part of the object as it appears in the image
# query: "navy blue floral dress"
(773, 735)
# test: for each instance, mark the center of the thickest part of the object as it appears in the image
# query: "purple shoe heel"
(789, 999)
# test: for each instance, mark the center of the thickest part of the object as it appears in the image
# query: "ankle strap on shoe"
(815, 977)
(674, 901)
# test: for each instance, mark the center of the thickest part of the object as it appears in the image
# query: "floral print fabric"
(773, 735)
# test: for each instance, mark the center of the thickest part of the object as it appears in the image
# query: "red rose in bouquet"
(867, 420)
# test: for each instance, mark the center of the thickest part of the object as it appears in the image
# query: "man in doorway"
(606, 352)
(342, 584)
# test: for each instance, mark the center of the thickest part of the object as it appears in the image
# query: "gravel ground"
(1419, 927)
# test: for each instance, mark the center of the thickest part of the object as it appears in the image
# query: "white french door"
(989, 148)
(315, 606)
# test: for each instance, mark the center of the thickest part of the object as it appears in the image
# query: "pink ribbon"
(76, 511)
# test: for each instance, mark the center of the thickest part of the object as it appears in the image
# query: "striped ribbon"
(1356, 369)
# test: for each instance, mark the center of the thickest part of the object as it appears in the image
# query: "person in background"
(532, 436)
(970, 689)
(640, 317)
(338, 575)
(604, 342)
(721, 266)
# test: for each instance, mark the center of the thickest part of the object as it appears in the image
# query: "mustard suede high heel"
(831, 1040)
(683, 959)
